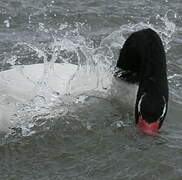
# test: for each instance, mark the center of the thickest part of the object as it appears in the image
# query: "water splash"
(94, 64)
(170, 28)
(7, 22)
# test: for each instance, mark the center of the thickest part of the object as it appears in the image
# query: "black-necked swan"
(142, 60)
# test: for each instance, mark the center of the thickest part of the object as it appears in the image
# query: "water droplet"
(88, 126)
(7, 23)
(38, 101)
(81, 99)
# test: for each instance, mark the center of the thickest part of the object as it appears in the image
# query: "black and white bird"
(142, 61)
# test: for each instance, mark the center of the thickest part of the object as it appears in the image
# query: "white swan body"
(20, 84)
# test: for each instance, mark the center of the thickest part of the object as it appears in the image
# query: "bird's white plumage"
(164, 108)
(20, 84)
(124, 92)
(139, 103)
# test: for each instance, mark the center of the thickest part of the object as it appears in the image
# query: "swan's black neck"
(142, 60)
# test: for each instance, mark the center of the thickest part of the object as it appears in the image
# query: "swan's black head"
(150, 113)
(143, 61)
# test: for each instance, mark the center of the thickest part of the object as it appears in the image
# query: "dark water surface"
(95, 139)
